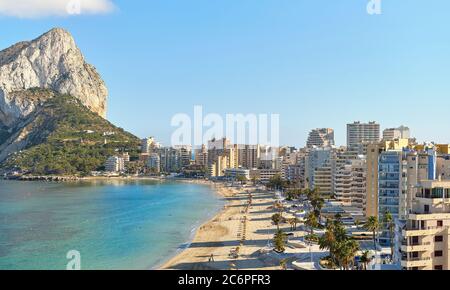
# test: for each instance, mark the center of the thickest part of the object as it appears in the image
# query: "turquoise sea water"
(113, 224)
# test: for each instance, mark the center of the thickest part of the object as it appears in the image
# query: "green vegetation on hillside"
(67, 138)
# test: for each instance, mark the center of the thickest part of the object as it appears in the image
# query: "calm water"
(114, 225)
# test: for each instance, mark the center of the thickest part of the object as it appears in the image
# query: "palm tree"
(293, 222)
(315, 200)
(390, 225)
(347, 252)
(276, 218)
(373, 225)
(366, 259)
(311, 221)
(279, 241)
(328, 240)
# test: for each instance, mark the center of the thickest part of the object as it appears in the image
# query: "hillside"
(63, 137)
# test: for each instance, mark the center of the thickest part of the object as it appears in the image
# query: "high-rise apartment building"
(323, 179)
(350, 181)
(320, 137)
(425, 239)
(391, 189)
(147, 144)
(154, 163)
(201, 157)
(248, 156)
(317, 157)
(359, 133)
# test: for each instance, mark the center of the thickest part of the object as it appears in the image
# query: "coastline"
(217, 189)
(237, 236)
(240, 227)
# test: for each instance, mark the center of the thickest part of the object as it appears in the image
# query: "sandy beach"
(238, 228)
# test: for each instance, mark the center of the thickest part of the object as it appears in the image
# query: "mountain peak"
(51, 61)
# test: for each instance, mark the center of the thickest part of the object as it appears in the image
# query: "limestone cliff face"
(54, 62)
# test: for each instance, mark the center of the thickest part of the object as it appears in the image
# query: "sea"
(102, 224)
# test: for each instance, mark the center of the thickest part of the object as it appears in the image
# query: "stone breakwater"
(42, 178)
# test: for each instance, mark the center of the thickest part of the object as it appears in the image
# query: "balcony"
(415, 247)
(424, 231)
(416, 262)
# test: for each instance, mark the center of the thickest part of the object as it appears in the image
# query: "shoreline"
(218, 190)
(237, 237)
(221, 191)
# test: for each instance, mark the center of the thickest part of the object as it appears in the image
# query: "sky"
(316, 63)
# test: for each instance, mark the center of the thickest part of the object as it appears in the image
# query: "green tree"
(366, 259)
(279, 241)
(276, 218)
(311, 222)
(373, 225)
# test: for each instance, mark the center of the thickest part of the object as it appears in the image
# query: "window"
(438, 239)
(440, 224)
(426, 208)
(438, 267)
(438, 253)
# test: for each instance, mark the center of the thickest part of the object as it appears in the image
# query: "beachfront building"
(235, 173)
(425, 238)
(115, 164)
(216, 148)
(154, 163)
(170, 160)
(264, 175)
(201, 157)
(321, 137)
(184, 154)
(359, 134)
(217, 168)
(248, 156)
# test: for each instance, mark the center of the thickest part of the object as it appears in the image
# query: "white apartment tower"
(359, 133)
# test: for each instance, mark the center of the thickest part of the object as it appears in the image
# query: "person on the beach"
(211, 258)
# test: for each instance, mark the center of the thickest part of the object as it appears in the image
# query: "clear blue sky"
(318, 63)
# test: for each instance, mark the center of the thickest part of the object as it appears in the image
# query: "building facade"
(320, 137)
(425, 237)
(359, 133)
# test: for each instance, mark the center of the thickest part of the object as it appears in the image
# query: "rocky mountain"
(52, 109)
(52, 61)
